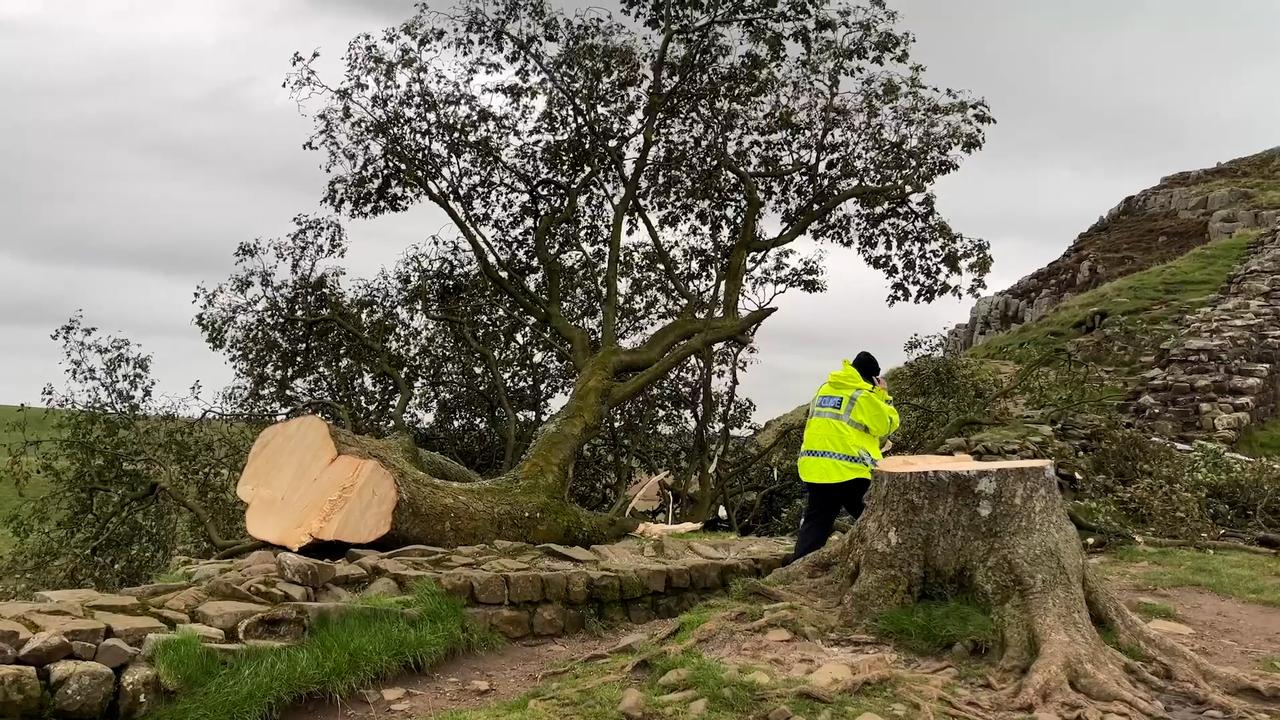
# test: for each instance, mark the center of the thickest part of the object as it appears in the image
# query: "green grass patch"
(1154, 610)
(1261, 441)
(1243, 576)
(1271, 664)
(1155, 297)
(1133, 653)
(933, 626)
(337, 658)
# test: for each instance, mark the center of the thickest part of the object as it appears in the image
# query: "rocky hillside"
(1184, 211)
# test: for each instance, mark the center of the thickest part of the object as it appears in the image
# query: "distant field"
(39, 423)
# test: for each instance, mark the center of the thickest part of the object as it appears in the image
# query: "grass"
(338, 657)
(594, 691)
(934, 626)
(1156, 611)
(1261, 441)
(1243, 576)
(1271, 664)
(1156, 296)
(38, 423)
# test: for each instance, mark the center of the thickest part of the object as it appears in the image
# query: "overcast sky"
(140, 141)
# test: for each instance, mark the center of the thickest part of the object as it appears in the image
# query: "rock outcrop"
(1154, 226)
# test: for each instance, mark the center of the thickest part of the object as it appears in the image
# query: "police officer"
(848, 417)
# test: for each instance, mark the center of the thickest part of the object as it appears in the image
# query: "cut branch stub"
(299, 489)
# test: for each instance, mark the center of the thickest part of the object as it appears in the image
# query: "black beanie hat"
(867, 366)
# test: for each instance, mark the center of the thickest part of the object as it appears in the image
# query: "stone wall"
(1223, 371)
(1152, 227)
(83, 653)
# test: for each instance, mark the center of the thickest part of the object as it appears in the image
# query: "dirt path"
(464, 682)
(1226, 631)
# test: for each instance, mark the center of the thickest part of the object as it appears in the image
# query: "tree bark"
(938, 525)
(307, 481)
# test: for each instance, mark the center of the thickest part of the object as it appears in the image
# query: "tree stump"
(999, 531)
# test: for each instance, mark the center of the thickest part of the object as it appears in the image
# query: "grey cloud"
(140, 143)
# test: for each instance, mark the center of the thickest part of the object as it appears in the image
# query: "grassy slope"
(1155, 297)
(1261, 440)
(14, 421)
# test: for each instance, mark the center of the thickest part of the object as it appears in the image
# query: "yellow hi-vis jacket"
(847, 419)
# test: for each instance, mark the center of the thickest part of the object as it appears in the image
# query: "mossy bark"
(1003, 536)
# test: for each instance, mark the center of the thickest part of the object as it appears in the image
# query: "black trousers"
(824, 504)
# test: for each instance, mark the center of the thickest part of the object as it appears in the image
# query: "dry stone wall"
(84, 654)
(1222, 373)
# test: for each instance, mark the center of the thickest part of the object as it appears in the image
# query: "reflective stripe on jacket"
(847, 419)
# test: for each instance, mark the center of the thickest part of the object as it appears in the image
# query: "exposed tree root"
(1003, 536)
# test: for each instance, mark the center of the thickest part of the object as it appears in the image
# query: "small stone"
(502, 565)
(680, 696)
(129, 628)
(284, 623)
(576, 554)
(114, 653)
(146, 592)
(226, 614)
(632, 704)
(382, 587)
(20, 691)
(479, 686)
(1169, 627)
(121, 604)
(76, 597)
(630, 643)
(1213, 714)
(414, 551)
(8, 655)
(400, 707)
(296, 593)
(80, 689)
(782, 712)
(675, 678)
(44, 648)
(778, 635)
(83, 650)
(261, 571)
(152, 642)
(869, 716)
(170, 617)
(71, 628)
(393, 694)
(830, 675)
(369, 696)
(139, 690)
(187, 600)
(348, 574)
(333, 593)
(304, 570)
(13, 633)
(759, 677)
(204, 632)
(548, 620)
(697, 708)
(258, 557)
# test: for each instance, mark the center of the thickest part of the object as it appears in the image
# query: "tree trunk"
(307, 481)
(938, 525)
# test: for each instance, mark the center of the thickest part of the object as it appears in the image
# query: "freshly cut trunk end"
(299, 489)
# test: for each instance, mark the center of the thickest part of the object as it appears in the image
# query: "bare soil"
(1227, 632)
(509, 672)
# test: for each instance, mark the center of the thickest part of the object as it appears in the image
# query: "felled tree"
(624, 182)
(937, 525)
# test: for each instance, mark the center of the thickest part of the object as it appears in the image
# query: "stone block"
(227, 614)
(613, 613)
(457, 583)
(13, 633)
(21, 694)
(523, 587)
(654, 578)
(555, 586)
(478, 617)
(578, 587)
(549, 619)
(304, 570)
(576, 554)
(80, 689)
(44, 648)
(139, 691)
(679, 576)
(511, 622)
(640, 611)
(73, 629)
(630, 585)
(705, 575)
(605, 587)
(488, 588)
